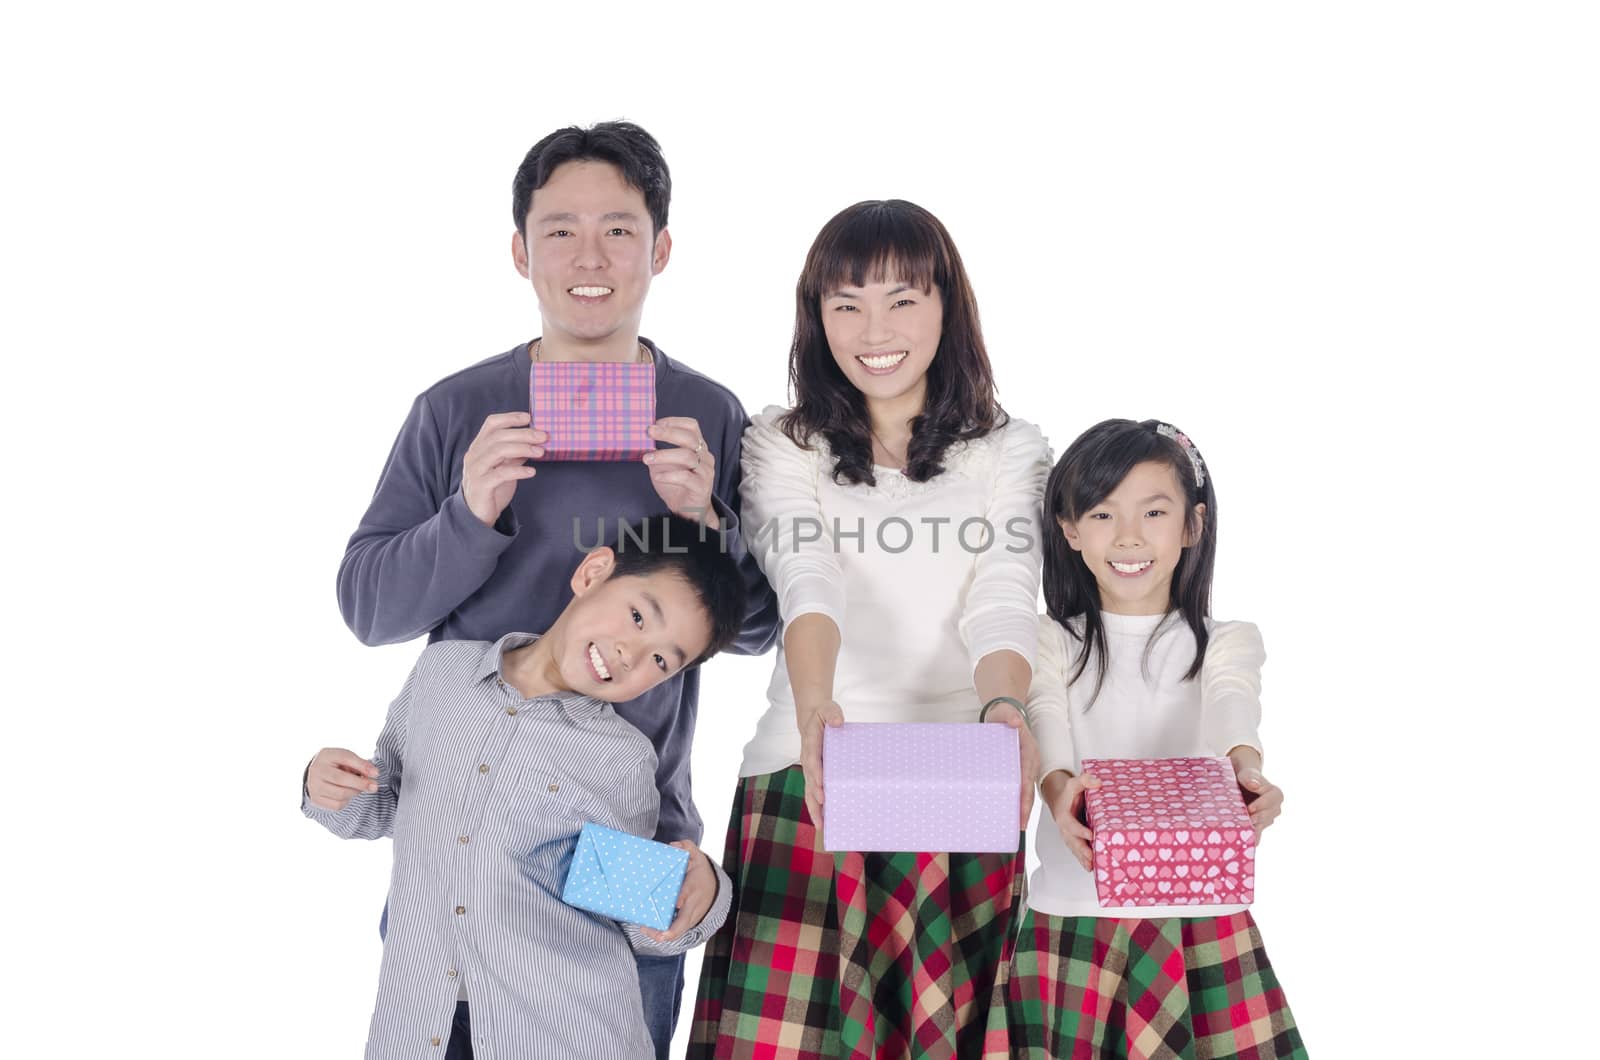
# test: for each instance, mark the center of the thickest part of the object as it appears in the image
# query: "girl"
(895, 511)
(1132, 666)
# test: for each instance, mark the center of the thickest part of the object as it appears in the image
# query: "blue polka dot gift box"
(921, 786)
(624, 877)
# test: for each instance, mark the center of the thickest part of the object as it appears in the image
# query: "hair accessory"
(1167, 430)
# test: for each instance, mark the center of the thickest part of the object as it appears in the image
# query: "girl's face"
(883, 337)
(1133, 539)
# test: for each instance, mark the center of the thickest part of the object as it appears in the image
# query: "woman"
(894, 510)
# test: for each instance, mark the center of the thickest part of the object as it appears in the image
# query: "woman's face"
(883, 337)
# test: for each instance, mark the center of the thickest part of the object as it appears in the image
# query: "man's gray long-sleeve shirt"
(422, 563)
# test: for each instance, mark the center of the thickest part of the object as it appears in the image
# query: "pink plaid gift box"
(944, 788)
(1170, 831)
(593, 411)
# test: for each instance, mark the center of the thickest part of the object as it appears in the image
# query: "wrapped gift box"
(593, 411)
(624, 877)
(921, 787)
(1170, 831)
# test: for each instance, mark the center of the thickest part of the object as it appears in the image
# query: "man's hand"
(695, 897)
(336, 776)
(1006, 714)
(1063, 795)
(683, 477)
(494, 463)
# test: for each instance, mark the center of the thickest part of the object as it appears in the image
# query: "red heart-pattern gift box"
(1170, 831)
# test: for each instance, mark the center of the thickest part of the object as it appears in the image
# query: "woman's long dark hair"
(879, 241)
(1087, 473)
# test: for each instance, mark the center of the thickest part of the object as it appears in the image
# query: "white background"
(1350, 248)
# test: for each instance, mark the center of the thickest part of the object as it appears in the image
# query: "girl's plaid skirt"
(1143, 989)
(852, 955)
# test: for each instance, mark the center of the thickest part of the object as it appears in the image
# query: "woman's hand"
(1063, 794)
(812, 720)
(1006, 714)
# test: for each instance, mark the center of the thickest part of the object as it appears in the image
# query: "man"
(462, 529)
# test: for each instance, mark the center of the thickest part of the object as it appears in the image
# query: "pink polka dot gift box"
(1170, 831)
(917, 786)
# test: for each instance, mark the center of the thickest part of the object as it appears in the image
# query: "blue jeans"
(661, 987)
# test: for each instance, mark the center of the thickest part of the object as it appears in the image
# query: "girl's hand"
(811, 724)
(1262, 798)
(1007, 714)
(1063, 794)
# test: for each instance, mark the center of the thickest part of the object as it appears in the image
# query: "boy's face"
(621, 636)
(588, 248)
(1133, 539)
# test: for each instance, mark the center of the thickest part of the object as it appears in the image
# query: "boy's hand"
(336, 776)
(495, 463)
(695, 897)
(1063, 794)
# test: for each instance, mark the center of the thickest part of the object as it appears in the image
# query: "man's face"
(587, 247)
(621, 636)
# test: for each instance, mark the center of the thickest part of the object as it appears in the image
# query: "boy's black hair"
(1087, 473)
(623, 144)
(694, 553)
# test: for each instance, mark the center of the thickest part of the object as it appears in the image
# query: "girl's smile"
(1133, 539)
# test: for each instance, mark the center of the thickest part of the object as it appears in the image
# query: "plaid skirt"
(1167, 987)
(852, 955)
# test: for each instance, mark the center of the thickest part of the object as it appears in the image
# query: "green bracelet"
(1013, 700)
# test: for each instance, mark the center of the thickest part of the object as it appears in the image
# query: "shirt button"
(483, 768)
(511, 711)
(452, 973)
(461, 839)
(434, 1041)
(555, 787)
(461, 910)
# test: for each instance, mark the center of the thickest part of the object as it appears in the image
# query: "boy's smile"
(619, 637)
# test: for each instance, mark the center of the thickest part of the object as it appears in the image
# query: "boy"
(502, 751)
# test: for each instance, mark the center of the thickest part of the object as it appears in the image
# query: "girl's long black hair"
(875, 241)
(1087, 473)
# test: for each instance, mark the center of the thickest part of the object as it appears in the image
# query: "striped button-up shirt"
(495, 790)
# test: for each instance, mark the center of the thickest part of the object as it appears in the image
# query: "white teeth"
(882, 360)
(1130, 568)
(598, 663)
(590, 292)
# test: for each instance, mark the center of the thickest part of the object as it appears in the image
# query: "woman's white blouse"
(923, 579)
